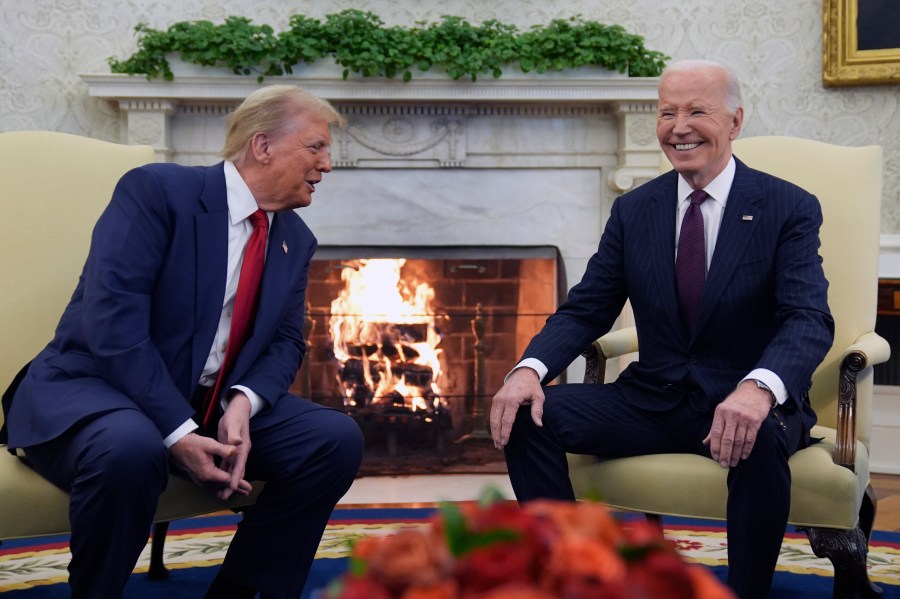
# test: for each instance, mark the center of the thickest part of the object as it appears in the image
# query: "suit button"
(669, 388)
(692, 358)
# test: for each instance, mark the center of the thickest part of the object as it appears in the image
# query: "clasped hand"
(736, 423)
(197, 454)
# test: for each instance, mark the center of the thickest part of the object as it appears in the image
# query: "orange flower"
(349, 587)
(586, 561)
(707, 586)
(513, 591)
(588, 519)
(447, 589)
(408, 558)
(583, 588)
(661, 575)
(364, 548)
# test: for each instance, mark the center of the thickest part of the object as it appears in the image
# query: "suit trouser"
(597, 420)
(114, 467)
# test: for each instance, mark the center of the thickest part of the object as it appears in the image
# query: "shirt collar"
(718, 189)
(241, 203)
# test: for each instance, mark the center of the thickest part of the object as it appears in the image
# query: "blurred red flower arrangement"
(542, 550)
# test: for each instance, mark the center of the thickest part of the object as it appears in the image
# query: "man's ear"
(737, 120)
(260, 148)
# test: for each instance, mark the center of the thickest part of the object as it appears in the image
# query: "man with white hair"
(720, 263)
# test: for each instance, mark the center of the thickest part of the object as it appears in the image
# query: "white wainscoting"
(885, 448)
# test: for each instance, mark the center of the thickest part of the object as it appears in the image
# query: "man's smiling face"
(694, 126)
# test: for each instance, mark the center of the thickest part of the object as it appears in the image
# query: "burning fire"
(385, 338)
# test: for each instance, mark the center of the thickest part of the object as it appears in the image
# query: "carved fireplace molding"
(557, 120)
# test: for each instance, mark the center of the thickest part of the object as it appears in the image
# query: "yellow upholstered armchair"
(831, 498)
(53, 187)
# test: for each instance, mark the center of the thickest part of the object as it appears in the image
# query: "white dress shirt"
(712, 210)
(241, 205)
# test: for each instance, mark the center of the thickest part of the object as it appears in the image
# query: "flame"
(385, 337)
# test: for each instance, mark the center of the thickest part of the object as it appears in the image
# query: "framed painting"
(860, 42)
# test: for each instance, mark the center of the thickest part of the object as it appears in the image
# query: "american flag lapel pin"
(284, 247)
(747, 217)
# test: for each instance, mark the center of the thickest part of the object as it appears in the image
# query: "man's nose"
(682, 124)
(324, 165)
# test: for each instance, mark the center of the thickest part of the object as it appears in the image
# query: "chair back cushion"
(847, 181)
(54, 186)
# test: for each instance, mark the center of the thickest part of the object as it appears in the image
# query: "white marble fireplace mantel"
(426, 122)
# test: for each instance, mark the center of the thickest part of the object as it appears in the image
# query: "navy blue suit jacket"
(139, 327)
(764, 304)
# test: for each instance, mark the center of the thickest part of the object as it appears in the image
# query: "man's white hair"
(733, 99)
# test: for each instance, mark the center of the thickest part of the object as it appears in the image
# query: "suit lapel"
(211, 229)
(741, 217)
(274, 291)
(661, 230)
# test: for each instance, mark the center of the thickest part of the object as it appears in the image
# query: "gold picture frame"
(843, 63)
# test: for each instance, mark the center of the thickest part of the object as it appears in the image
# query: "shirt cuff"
(175, 436)
(532, 363)
(771, 380)
(256, 402)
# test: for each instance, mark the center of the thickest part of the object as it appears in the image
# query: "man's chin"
(302, 202)
(682, 163)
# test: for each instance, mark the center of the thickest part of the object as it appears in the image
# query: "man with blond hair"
(721, 265)
(147, 369)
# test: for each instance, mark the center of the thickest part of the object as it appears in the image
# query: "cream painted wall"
(774, 46)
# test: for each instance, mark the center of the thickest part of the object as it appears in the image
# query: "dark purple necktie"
(690, 262)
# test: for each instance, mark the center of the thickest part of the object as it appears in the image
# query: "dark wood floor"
(887, 491)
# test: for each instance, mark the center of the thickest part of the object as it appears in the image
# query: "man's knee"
(344, 441)
(769, 457)
(126, 452)
(771, 439)
(336, 447)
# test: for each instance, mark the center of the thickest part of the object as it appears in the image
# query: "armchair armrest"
(612, 345)
(873, 346)
(869, 349)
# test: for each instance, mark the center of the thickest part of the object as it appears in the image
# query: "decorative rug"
(36, 568)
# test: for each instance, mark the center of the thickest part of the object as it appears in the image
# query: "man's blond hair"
(271, 110)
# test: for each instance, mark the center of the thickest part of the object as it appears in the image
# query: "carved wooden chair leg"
(848, 551)
(158, 570)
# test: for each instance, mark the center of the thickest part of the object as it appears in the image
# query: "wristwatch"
(765, 387)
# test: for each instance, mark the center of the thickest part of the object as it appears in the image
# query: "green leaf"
(362, 43)
(462, 540)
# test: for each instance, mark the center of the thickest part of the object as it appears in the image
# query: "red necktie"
(690, 262)
(245, 303)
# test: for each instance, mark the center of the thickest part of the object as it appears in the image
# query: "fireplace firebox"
(413, 341)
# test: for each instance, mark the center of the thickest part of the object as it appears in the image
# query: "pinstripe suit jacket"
(764, 304)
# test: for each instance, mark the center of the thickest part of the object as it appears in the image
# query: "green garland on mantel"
(360, 42)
